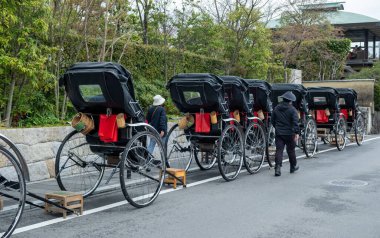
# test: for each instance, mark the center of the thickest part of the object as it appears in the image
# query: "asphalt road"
(335, 195)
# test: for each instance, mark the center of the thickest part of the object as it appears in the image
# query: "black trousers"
(281, 141)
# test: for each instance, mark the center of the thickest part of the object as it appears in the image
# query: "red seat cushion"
(321, 116)
(202, 122)
(345, 113)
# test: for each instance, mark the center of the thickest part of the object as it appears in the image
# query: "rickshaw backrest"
(260, 91)
(298, 90)
(322, 98)
(95, 88)
(347, 98)
(237, 94)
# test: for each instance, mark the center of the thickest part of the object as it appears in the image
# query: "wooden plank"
(1, 203)
(179, 173)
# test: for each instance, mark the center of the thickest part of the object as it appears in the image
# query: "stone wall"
(39, 147)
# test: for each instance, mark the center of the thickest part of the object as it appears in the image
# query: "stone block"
(38, 171)
(50, 164)
(31, 136)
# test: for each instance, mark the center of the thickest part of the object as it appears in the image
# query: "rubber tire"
(7, 154)
(358, 142)
(122, 169)
(253, 171)
(270, 129)
(200, 165)
(340, 122)
(220, 143)
(308, 155)
(57, 168)
(167, 151)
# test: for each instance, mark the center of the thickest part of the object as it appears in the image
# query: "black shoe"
(277, 171)
(293, 168)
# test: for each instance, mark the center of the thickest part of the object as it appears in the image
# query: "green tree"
(23, 52)
(246, 41)
(300, 23)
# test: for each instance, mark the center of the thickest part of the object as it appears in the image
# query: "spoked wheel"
(205, 159)
(255, 147)
(340, 134)
(271, 135)
(178, 148)
(77, 168)
(310, 138)
(12, 192)
(230, 152)
(141, 172)
(359, 129)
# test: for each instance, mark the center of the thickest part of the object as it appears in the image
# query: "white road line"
(117, 204)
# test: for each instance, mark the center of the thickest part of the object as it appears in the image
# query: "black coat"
(157, 118)
(285, 119)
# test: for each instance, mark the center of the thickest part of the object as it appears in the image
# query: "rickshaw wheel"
(230, 152)
(340, 134)
(271, 135)
(8, 145)
(255, 147)
(179, 150)
(77, 168)
(141, 172)
(205, 159)
(12, 183)
(310, 138)
(359, 129)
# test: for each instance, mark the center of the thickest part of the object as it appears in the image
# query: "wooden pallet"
(333, 141)
(322, 132)
(66, 199)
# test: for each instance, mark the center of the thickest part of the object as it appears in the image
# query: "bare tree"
(299, 22)
(144, 8)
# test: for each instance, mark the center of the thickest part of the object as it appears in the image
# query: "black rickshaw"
(331, 123)
(237, 94)
(110, 135)
(211, 130)
(103, 94)
(308, 139)
(260, 92)
(348, 103)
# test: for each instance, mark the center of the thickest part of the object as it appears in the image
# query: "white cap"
(158, 100)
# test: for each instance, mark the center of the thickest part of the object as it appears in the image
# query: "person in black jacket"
(156, 117)
(285, 121)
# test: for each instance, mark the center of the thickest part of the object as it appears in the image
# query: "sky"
(369, 8)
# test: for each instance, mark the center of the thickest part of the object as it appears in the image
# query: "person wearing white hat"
(285, 121)
(156, 117)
